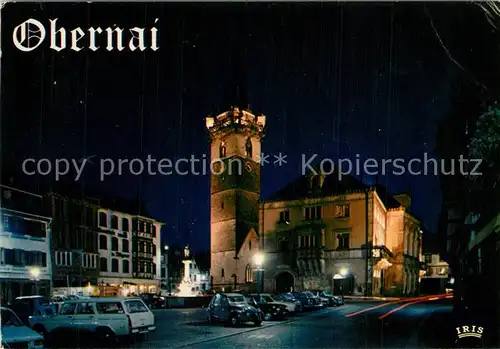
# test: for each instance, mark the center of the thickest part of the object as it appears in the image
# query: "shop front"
(123, 287)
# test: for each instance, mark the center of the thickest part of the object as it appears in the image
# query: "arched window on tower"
(248, 147)
(222, 149)
(222, 273)
(248, 273)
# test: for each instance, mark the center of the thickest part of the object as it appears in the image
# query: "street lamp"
(167, 285)
(35, 274)
(258, 259)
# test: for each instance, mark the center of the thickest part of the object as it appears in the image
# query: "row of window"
(142, 267)
(123, 224)
(145, 247)
(22, 258)
(115, 265)
(311, 241)
(312, 213)
(249, 273)
(139, 246)
(103, 243)
(22, 226)
(63, 258)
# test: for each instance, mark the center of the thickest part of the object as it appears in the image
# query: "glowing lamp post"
(167, 286)
(341, 276)
(258, 260)
(344, 272)
(35, 274)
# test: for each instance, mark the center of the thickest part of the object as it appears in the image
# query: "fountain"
(186, 286)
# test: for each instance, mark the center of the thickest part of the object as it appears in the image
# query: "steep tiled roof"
(300, 189)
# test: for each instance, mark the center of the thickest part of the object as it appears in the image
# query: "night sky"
(332, 79)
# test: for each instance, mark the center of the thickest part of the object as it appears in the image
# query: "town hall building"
(315, 233)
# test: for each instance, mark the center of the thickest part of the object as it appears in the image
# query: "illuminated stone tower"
(235, 142)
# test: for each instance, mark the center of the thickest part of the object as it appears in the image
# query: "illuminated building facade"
(25, 233)
(130, 253)
(310, 231)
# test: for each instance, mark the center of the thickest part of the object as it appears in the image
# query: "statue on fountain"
(186, 287)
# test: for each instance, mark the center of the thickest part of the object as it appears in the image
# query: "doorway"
(284, 282)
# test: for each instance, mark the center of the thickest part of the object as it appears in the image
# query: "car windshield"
(326, 293)
(267, 299)
(10, 319)
(236, 299)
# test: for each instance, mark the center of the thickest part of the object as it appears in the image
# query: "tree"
(485, 145)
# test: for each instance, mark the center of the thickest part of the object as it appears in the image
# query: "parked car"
(108, 318)
(58, 301)
(153, 301)
(270, 309)
(27, 306)
(327, 298)
(308, 300)
(288, 298)
(14, 334)
(291, 306)
(234, 309)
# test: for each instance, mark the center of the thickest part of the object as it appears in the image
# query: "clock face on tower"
(217, 168)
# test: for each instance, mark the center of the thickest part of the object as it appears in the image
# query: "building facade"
(355, 242)
(25, 253)
(435, 278)
(317, 232)
(200, 279)
(129, 253)
(74, 243)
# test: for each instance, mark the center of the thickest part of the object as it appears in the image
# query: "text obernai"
(30, 34)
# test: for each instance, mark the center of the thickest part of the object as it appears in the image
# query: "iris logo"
(469, 331)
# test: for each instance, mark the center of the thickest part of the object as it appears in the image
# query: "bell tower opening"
(235, 138)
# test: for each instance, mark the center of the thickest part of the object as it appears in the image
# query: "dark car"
(234, 309)
(28, 306)
(271, 310)
(153, 301)
(330, 299)
(308, 300)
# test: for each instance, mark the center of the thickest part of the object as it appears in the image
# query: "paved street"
(356, 325)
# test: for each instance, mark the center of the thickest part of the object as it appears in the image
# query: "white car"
(108, 318)
(15, 334)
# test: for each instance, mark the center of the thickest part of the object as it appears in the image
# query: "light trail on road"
(390, 303)
(408, 304)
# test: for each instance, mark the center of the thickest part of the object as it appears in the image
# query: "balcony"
(346, 254)
(145, 255)
(140, 275)
(23, 272)
(143, 235)
(312, 224)
(310, 253)
(381, 252)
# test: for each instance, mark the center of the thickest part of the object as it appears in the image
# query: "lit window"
(342, 211)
